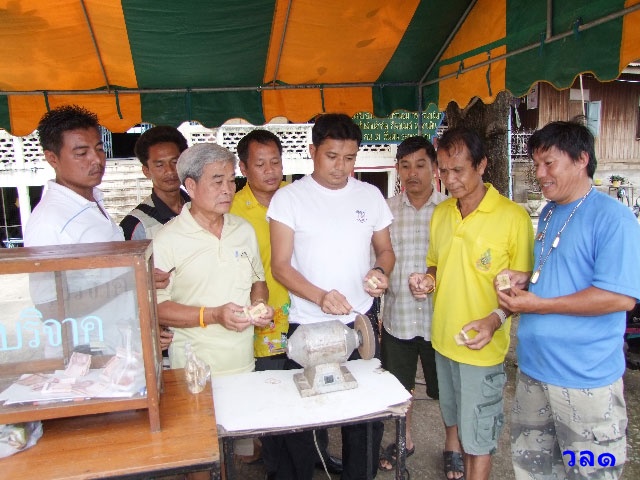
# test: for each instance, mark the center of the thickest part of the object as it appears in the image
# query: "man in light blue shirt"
(569, 396)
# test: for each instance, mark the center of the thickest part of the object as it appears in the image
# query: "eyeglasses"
(244, 254)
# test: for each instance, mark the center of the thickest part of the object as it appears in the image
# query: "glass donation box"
(78, 331)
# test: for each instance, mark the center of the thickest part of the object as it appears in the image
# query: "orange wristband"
(202, 324)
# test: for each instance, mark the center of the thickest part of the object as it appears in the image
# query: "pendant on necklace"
(556, 242)
(534, 277)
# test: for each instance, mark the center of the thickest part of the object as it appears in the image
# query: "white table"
(270, 403)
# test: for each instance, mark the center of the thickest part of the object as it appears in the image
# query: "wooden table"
(121, 444)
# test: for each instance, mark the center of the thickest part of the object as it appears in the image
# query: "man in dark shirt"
(158, 150)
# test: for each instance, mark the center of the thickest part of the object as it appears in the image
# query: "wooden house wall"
(619, 121)
(616, 145)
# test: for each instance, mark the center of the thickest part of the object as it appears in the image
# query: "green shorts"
(471, 397)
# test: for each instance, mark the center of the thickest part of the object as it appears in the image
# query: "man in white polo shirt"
(72, 211)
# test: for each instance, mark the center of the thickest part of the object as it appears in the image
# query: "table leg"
(227, 456)
(401, 444)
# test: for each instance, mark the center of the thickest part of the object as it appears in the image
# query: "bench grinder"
(321, 347)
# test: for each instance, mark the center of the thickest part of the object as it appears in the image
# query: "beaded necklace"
(541, 237)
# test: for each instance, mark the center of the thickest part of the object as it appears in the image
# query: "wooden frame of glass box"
(136, 257)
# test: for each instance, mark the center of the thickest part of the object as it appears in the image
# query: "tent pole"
(446, 43)
(132, 91)
(95, 46)
(549, 19)
(555, 38)
(281, 47)
(584, 113)
(420, 111)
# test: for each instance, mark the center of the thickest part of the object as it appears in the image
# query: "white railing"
(519, 139)
(25, 153)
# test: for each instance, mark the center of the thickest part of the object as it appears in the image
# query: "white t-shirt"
(332, 240)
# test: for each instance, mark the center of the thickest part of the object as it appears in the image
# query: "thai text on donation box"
(78, 331)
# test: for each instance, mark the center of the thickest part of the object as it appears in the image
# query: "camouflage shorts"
(566, 433)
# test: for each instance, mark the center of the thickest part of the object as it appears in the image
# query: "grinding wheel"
(363, 328)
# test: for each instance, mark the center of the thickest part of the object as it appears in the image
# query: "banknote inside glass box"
(78, 331)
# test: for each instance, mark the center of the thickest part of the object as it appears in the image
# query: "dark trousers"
(299, 455)
(401, 357)
(271, 444)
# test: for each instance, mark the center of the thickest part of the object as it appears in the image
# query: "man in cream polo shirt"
(216, 266)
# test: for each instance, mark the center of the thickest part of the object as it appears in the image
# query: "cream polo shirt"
(210, 272)
(468, 253)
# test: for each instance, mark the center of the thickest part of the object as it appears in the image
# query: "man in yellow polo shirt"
(260, 154)
(474, 235)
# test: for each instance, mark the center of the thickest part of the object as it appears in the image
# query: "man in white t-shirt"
(322, 229)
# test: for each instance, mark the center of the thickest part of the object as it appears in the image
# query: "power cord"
(324, 465)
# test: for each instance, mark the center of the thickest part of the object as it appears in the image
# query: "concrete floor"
(428, 434)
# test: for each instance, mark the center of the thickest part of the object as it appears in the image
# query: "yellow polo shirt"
(210, 272)
(272, 339)
(468, 254)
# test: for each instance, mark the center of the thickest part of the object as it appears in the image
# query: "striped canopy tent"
(165, 61)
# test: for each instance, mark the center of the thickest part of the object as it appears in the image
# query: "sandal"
(389, 456)
(453, 463)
